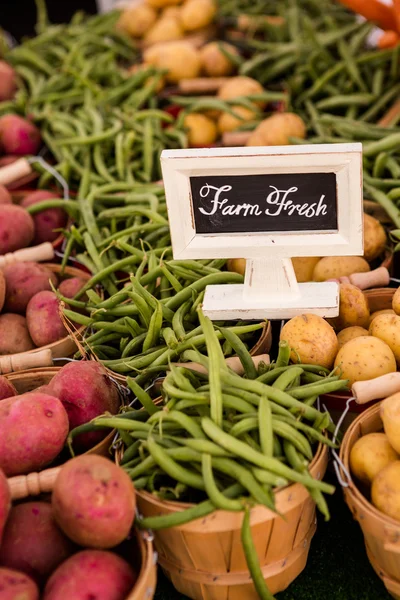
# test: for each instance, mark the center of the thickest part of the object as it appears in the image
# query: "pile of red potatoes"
(34, 426)
(67, 548)
(29, 308)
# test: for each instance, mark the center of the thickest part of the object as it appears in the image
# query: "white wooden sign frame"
(270, 288)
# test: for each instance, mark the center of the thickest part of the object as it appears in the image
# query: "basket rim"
(148, 563)
(344, 455)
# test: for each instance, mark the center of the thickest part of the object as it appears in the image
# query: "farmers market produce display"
(204, 419)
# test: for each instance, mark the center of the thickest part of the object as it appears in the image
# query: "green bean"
(130, 452)
(201, 284)
(217, 498)
(287, 377)
(241, 351)
(142, 396)
(252, 560)
(286, 431)
(320, 387)
(283, 354)
(312, 432)
(172, 468)
(203, 446)
(216, 360)
(184, 421)
(154, 331)
(245, 478)
(265, 427)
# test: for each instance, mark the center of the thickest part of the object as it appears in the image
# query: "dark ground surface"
(337, 567)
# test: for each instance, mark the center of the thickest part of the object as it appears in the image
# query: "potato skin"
(276, 130)
(71, 286)
(374, 238)
(5, 502)
(47, 221)
(228, 122)
(377, 313)
(94, 501)
(385, 490)
(7, 390)
(181, 60)
(214, 62)
(333, 267)
(387, 328)
(240, 86)
(196, 14)
(390, 415)
(137, 20)
(86, 392)
(365, 357)
(91, 574)
(33, 430)
(304, 267)
(353, 308)
(15, 585)
(369, 455)
(32, 541)
(14, 334)
(16, 228)
(43, 319)
(23, 281)
(202, 131)
(166, 29)
(349, 333)
(238, 265)
(2, 290)
(312, 339)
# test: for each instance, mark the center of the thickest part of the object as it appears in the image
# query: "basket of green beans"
(228, 468)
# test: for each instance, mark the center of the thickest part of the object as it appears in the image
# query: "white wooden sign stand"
(270, 289)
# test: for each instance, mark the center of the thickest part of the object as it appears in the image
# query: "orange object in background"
(389, 39)
(373, 10)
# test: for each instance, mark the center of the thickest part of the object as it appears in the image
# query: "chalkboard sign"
(264, 203)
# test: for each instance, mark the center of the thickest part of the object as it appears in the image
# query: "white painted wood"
(343, 159)
(226, 302)
(270, 277)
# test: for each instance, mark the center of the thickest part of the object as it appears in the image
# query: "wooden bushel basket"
(381, 533)
(43, 356)
(204, 559)
(335, 402)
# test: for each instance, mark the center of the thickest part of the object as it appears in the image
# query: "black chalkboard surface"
(264, 203)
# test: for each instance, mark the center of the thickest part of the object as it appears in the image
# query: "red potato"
(19, 136)
(94, 501)
(32, 541)
(7, 390)
(86, 392)
(71, 286)
(33, 430)
(5, 196)
(2, 290)
(16, 228)
(48, 221)
(43, 319)
(91, 575)
(8, 81)
(14, 334)
(5, 503)
(23, 281)
(17, 586)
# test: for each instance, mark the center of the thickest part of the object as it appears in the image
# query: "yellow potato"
(365, 357)
(171, 11)
(387, 328)
(353, 307)
(385, 490)
(369, 455)
(276, 130)
(396, 301)
(390, 415)
(214, 62)
(239, 86)
(374, 238)
(237, 264)
(386, 311)
(304, 267)
(202, 131)
(179, 58)
(349, 333)
(333, 267)
(137, 20)
(164, 30)
(312, 340)
(196, 14)
(228, 122)
(163, 3)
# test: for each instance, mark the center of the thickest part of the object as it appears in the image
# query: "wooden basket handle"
(16, 170)
(26, 360)
(42, 252)
(379, 277)
(374, 389)
(233, 362)
(235, 138)
(201, 85)
(33, 484)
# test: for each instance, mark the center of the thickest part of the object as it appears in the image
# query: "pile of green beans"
(101, 123)
(153, 319)
(222, 441)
